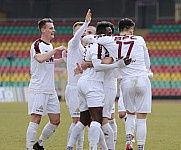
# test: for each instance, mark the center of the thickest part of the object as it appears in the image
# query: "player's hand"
(78, 69)
(127, 60)
(150, 73)
(88, 16)
(119, 79)
(84, 65)
(120, 63)
(123, 61)
(64, 55)
(61, 48)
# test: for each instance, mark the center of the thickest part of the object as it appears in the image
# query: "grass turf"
(163, 128)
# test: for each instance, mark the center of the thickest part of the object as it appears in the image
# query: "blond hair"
(77, 24)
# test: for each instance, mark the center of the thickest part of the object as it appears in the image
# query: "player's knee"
(36, 118)
(122, 115)
(85, 118)
(55, 121)
(85, 121)
(98, 119)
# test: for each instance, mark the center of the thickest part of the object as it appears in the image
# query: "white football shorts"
(110, 96)
(42, 103)
(72, 100)
(121, 107)
(137, 94)
(91, 94)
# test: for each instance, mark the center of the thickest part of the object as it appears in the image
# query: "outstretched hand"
(64, 55)
(61, 48)
(78, 69)
(88, 16)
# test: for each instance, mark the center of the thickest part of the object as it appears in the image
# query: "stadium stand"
(15, 40)
(163, 41)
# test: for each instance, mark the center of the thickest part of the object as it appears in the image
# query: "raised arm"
(81, 30)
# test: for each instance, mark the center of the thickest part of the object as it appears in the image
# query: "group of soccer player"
(96, 59)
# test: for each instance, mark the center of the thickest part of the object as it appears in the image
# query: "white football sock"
(130, 124)
(114, 128)
(94, 135)
(70, 131)
(140, 147)
(130, 127)
(102, 141)
(48, 130)
(109, 136)
(80, 141)
(31, 134)
(77, 130)
(141, 131)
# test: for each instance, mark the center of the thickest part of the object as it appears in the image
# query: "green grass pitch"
(163, 128)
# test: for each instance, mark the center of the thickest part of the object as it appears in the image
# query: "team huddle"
(97, 61)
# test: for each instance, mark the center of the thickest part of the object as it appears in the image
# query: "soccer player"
(42, 97)
(75, 55)
(90, 88)
(135, 84)
(110, 86)
(110, 90)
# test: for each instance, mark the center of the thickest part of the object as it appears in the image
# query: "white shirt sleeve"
(76, 38)
(98, 66)
(146, 57)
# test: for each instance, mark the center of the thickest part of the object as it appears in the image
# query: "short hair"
(102, 25)
(125, 23)
(79, 23)
(42, 22)
(92, 28)
(111, 26)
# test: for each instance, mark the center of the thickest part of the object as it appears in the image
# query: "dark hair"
(125, 23)
(112, 26)
(42, 23)
(102, 25)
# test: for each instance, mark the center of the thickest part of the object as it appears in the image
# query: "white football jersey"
(42, 74)
(133, 47)
(109, 79)
(108, 43)
(75, 54)
(128, 45)
(93, 51)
